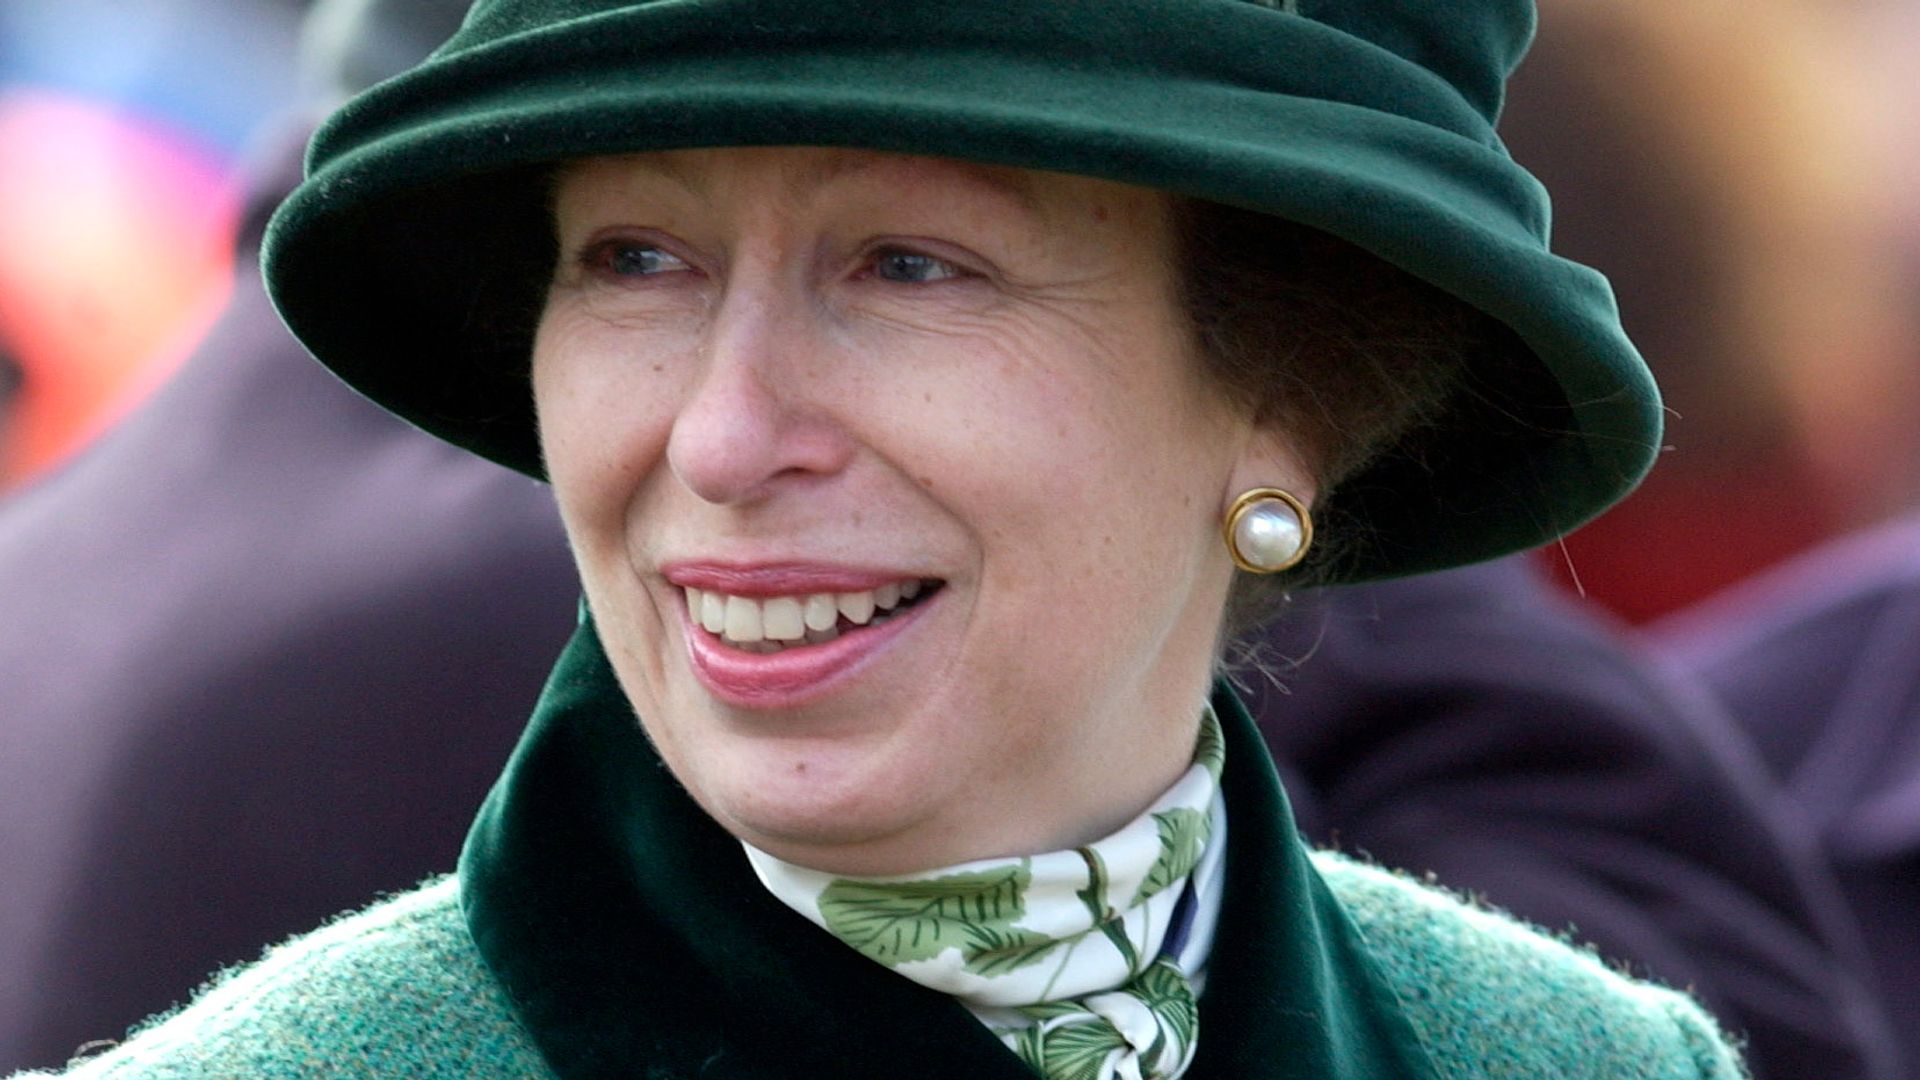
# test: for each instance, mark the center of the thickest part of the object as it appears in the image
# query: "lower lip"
(793, 676)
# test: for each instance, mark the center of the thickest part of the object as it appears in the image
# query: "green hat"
(404, 260)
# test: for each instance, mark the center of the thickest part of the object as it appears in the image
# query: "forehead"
(803, 174)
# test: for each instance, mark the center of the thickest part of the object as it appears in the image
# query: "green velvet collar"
(634, 941)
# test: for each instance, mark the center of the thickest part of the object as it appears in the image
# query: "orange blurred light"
(116, 242)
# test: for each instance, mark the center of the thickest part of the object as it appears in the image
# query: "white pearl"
(1268, 534)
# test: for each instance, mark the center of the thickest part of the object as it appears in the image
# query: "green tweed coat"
(602, 926)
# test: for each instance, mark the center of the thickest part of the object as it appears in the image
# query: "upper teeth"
(745, 620)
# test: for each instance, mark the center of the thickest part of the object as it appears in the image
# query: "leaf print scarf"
(1081, 961)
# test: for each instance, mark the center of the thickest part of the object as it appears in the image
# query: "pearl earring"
(1267, 530)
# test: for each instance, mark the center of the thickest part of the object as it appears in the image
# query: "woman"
(918, 410)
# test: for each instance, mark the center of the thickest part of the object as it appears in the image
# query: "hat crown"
(1472, 44)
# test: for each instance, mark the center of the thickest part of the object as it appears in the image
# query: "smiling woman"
(923, 390)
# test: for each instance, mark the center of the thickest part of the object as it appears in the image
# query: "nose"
(757, 419)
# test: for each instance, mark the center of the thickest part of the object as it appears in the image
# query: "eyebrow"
(1007, 182)
(667, 167)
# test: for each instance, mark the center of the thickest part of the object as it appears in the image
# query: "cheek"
(1104, 434)
(1086, 474)
(602, 426)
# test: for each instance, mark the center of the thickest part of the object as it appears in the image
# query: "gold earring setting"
(1267, 530)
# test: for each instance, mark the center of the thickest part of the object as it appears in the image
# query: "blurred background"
(1748, 174)
(124, 126)
(1744, 170)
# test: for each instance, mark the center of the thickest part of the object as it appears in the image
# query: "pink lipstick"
(745, 642)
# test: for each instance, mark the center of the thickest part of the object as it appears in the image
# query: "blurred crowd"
(1690, 733)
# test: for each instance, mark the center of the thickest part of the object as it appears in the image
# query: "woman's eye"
(912, 268)
(632, 259)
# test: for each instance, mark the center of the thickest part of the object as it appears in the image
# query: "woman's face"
(894, 486)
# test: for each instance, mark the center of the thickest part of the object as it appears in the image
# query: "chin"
(828, 815)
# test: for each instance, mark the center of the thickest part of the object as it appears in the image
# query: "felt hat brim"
(409, 260)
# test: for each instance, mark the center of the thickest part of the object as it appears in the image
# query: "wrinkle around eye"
(998, 320)
(589, 310)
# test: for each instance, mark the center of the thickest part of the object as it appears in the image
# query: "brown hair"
(1349, 355)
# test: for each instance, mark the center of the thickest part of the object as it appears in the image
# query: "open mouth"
(775, 624)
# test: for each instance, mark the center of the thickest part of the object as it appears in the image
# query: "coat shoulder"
(397, 989)
(1494, 998)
